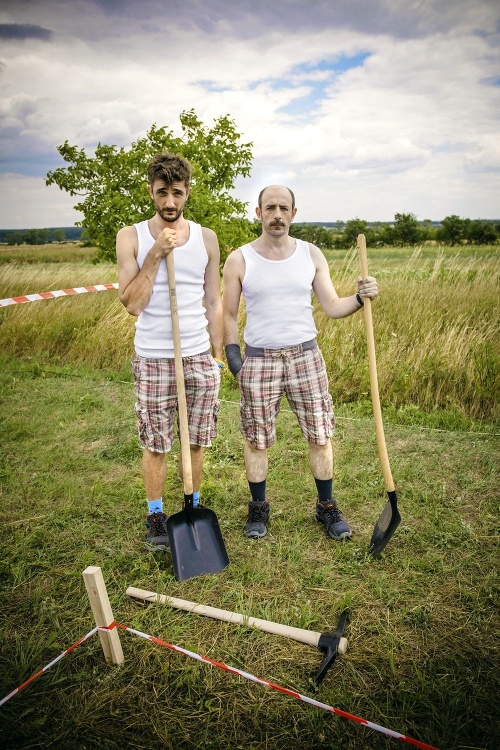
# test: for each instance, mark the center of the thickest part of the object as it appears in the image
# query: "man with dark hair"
(141, 250)
(277, 275)
(169, 168)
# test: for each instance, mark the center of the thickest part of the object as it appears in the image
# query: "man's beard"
(170, 218)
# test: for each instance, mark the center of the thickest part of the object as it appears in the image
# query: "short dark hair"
(169, 168)
(286, 188)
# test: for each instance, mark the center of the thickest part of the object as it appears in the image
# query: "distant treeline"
(40, 236)
(404, 230)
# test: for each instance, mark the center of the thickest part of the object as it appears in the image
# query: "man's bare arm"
(212, 294)
(234, 269)
(333, 305)
(136, 284)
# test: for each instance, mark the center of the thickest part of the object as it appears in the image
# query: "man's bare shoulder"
(209, 234)
(126, 243)
(126, 233)
(235, 262)
(317, 255)
(210, 239)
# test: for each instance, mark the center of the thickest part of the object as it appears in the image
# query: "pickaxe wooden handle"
(297, 634)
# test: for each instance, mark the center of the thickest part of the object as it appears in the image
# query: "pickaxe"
(331, 643)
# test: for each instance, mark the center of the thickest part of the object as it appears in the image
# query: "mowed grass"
(423, 635)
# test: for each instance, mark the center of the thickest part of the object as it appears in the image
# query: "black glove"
(233, 356)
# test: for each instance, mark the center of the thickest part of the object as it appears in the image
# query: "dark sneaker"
(156, 536)
(258, 514)
(336, 525)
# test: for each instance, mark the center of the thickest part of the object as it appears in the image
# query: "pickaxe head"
(329, 643)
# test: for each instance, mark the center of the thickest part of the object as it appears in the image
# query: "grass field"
(423, 633)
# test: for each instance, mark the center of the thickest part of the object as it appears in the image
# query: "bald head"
(274, 188)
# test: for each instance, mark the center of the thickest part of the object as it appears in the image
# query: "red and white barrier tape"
(233, 670)
(48, 666)
(58, 293)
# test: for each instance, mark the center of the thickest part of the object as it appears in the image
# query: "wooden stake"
(101, 608)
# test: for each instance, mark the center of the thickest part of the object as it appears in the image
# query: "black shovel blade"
(196, 542)
(386, 525)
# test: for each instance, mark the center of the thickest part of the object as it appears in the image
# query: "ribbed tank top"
(278, 298)
(153, 335)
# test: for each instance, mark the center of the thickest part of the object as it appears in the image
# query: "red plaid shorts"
(156, 400)
(301, 376)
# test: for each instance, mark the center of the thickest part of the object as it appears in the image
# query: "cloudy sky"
(365, 108)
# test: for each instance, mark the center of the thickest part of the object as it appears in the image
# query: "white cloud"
(27, 203)
(415, 123)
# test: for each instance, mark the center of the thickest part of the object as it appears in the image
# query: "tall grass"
(65, 252)
(91, 330)
(437, 326)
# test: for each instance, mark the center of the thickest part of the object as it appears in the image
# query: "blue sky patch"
(492, 81)
(303, 75)
(335, 65)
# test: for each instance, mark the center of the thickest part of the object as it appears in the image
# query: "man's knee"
(153, 456)
(255, 448)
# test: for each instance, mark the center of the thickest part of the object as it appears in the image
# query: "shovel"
(389, 518)
(194, 533)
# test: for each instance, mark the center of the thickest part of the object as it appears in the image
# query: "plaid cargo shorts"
(156, 400)
(301, 376)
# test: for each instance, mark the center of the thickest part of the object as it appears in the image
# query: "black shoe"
(258, 514)
(336, 525)
(156, 536)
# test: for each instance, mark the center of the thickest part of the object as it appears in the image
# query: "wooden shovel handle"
(372, 363)
(297, 634)
(187, 474)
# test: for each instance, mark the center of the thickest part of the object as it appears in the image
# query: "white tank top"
(153, 335)
(278, 298)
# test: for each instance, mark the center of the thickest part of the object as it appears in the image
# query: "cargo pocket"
(216, 411)
(328, 415)
(247, 424)
(149, 429)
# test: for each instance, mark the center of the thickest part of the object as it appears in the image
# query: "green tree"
(113, 184)
(17, 237)
(59, 235)
(452, 229)
(349, 236)
(481, 232)
(427, 231)
(314, 233)
(37, 236)
(387, 235)
(406, 229)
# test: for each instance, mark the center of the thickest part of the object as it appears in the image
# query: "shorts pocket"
(216, 411)
(328, 415)
(247, 423)
(149, 426)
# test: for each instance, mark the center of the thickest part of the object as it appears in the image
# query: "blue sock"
(155, 506)
(196, 499)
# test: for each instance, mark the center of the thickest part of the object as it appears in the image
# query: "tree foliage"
(403, 231)
(314, 233)
(406, 229)
(112, 184)
(452, 229)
